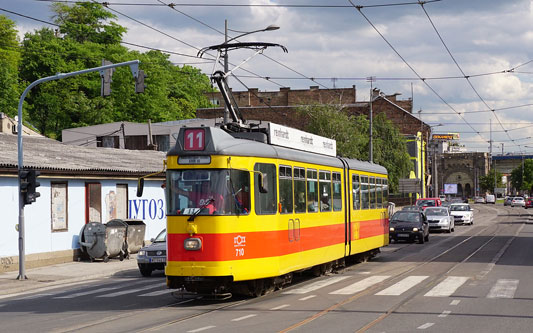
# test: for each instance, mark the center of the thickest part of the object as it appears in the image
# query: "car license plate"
(158, 259)
(403, 235)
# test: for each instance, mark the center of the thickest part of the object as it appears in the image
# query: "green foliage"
(351, 134)
(9, 62)
(486, 183)
(172, 92)
(522, 176)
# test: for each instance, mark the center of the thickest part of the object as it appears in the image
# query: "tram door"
(355, 222)
(291, 202)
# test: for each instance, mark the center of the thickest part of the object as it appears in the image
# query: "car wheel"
(145, 271)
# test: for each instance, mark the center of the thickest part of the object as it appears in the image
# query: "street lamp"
(226, 41)
(434, 161)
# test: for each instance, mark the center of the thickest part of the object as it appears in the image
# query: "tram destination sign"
(284, 136)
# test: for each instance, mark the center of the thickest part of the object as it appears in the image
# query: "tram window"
(299, 190)
(312, 191)
(337, 191)
(365, 193)
(385, 192)
(285, 189)
(265, 203)
(324, 184)
(356, 192)
(379, 193)
(372, 186)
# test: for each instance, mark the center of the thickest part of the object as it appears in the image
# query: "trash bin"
(103, 241)
(135, 231)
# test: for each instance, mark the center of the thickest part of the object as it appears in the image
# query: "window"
(299, 190)
(337, 192)
(265, 203)
(324, 184)
(107, 141)
(312, 191)
(385, 192)
(93, 203)
(285, 189)
(379, 193)
(136, 142)
(372, 192)
(356, 192)
(365, 193)
(162, 142)
(59, 207)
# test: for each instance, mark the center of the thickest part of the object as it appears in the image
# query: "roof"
(46, 154)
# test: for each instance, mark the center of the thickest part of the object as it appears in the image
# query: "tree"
(172, 92)
(522, 176)
(351, 134)
(9, 62)
(486, 183)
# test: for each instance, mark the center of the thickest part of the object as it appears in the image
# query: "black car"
(154, 256)
(409, 225)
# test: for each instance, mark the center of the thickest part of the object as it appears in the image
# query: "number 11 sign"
(194, 139)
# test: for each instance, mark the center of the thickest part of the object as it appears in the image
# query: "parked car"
(428, 202)
(507, 201)
(409, 225)
(518, 202)
(415, 208)
(462, 213)
(490, 199)
(458, 200)
(529, 203)
(442, 197)
(154, 256)
(479, 200)
(439, 218)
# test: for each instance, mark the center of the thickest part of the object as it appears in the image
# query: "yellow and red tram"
(244, 215)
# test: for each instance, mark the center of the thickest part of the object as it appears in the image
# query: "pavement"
(48, 277)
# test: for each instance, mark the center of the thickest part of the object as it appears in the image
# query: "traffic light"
(139, 82)
(28, 185)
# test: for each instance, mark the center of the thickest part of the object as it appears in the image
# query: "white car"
(479, 200)
(518, 202)
(439, 218)
(462, 213)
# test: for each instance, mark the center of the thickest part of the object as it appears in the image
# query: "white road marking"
(447, 287)
(503, 288)
(364, 273)
(244, 317)
(360, 285)
(280, 307)
(130, 291)
(201, 329)
(444, 314)
(307, 297)
(426, 325)
(402, 286)
(33, 296)
(455, 302)
(158, 293)
(316, 285)
(84, 293)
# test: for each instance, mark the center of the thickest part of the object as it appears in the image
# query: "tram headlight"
(192, 244)
(391, 229)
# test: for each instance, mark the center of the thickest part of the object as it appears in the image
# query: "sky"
(467, 64)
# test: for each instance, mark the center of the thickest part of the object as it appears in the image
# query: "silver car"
(518, 202)
(439, 218)
(154, 256)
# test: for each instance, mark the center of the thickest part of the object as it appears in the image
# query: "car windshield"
(208, 192)
(406, 216)
(460, 207)
(162, 237)
(437, 211)
(425, 203)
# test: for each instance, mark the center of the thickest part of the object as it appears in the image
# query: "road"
(476, 279)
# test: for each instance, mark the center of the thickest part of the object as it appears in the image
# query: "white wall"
(39, 238)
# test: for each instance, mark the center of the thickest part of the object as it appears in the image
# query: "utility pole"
(226, 109)
(370, 134)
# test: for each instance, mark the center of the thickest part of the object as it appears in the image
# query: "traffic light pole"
(134, 66)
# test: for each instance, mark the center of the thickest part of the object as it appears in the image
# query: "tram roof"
(219, 142)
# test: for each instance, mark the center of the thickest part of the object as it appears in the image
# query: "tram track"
(492, 235)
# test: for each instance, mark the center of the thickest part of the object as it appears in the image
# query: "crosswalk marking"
(157, 293)
(455, 302)
(447, 287)
(402, 286)
(280, 307)
(85, 293)
(426, 325)
(316, 285)
(244, 317)
(307, 297)
(130, 291)
(445, 314)
(360, 285)
(504, 288)
(201, 329)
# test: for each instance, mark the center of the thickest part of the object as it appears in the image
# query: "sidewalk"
(47, 277)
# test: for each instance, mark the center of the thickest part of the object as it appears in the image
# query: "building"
(77, 185)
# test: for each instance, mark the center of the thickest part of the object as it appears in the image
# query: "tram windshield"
(208, 192)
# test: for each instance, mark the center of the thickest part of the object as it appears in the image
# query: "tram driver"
(203, 197)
